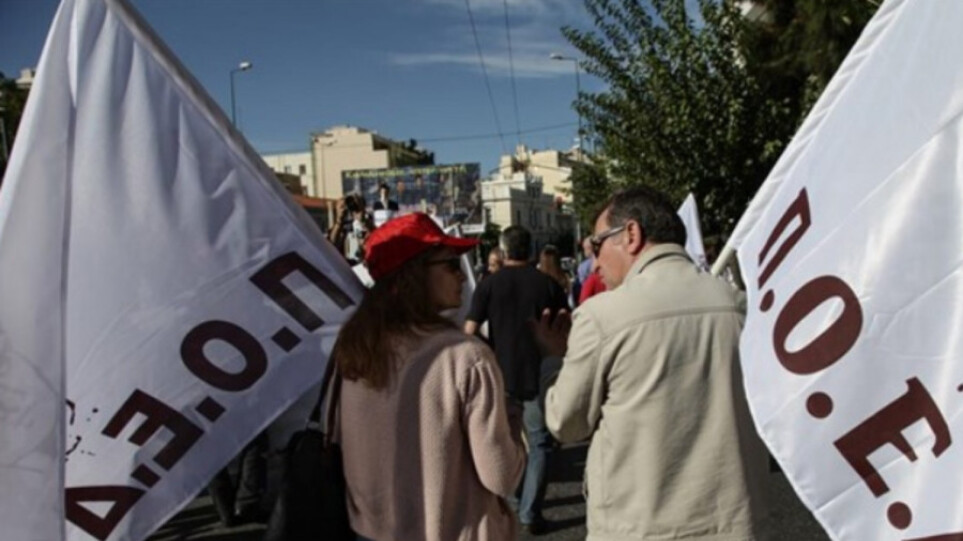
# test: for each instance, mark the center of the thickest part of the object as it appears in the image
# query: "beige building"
(553, 166)
(345, 148)
(294, 163)
(519, 199)
(25, 81)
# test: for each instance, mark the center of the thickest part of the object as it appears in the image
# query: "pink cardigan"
(431, 456)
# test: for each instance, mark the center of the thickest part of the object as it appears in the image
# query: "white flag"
(162, 297)
(689, 212)
(853, 258)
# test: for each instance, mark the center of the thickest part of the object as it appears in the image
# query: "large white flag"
(161, 297)
(853, 259)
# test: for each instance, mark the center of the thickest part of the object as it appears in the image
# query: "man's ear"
(635, 237)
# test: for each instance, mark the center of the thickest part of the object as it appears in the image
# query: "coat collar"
(653, 254)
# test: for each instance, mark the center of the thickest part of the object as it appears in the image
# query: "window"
(287, 168)
(302, 169)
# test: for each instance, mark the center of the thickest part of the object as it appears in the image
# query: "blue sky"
(404, 68)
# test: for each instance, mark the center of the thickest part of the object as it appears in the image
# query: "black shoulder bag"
(312, 503)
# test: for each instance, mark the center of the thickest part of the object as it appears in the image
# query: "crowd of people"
(446, 434)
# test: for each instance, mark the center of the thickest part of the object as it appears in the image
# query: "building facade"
(520, 199)
(347, 148)
(554, 167)
(340, 149)
(294, 163)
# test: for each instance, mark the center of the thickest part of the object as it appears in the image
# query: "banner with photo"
(451, 193)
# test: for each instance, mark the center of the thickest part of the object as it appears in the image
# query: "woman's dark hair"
(397, 307)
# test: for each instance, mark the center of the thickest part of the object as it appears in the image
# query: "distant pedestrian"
(508, 300)
(351, 227)
(496, 260)
(431, 444)
(592, 286)
(584, 270)
(384, 201)
(651, 373)
(550, 263)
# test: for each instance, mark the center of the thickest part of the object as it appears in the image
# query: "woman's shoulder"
(457, 347)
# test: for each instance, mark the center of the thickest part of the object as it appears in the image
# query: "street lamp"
(243, 66)
(578, 92)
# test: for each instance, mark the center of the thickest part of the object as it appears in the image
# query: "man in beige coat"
(651, 373)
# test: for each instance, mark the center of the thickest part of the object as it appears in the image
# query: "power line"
(511, 66)
(481, 61)
(493, 135)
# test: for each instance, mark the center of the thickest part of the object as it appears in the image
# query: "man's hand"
(551, 335)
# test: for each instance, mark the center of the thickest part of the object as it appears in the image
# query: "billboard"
(451, 191)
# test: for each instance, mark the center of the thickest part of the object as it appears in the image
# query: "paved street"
(564, 510)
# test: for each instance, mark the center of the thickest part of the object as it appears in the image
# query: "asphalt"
(564, 510)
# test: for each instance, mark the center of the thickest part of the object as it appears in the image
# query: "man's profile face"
(612, 259)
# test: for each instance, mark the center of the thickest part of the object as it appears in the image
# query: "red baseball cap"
(401, 239)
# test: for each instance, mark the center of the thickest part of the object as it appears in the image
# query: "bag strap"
(333, 402)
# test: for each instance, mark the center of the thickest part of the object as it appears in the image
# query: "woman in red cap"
(431, 446)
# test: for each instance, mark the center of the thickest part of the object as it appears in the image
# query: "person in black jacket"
(383, 202)
(507, 300)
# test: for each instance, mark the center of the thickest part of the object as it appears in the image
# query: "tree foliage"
(590, 187)
(797, 47)
(704, 100)
(12, 101)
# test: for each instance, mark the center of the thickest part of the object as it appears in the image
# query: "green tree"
(705, 101)
(590, 187)
(797, 46)
(489, 239)
(12, 101)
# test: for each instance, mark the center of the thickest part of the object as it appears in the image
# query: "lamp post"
(578, 92)
(243, 66)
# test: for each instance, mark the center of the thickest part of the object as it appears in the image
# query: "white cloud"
(535, 34)
(528, 66)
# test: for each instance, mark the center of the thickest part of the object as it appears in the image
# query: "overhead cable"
(481, 61)
(511, 67)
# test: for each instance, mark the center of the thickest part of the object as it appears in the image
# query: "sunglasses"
(598, 240)
(453, 264)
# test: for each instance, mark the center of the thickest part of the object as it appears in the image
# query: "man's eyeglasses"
(453, 264)
(598, 240)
